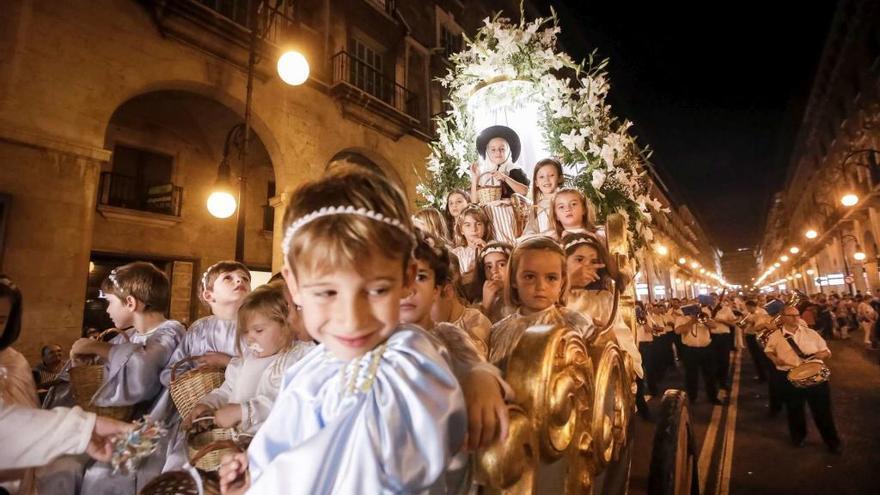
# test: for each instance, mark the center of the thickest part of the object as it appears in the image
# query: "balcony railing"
(277, 20)
(123, 191)
(386, 6)
(355, 72)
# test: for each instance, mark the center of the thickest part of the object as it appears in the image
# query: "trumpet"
(703, 318)
(742, 321)
(794, 301)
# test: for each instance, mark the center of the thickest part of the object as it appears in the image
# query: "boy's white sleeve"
(34, 437)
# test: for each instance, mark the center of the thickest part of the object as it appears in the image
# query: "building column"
(52, 187)
(279, 204)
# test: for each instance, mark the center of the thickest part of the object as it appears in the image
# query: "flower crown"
(338, 210)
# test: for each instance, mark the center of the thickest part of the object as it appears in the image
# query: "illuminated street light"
(221, 204)
(849, 199)
(859, 256)
(682, 261)
(662, 250)
(811, 234)
(694, 264)
(776, 265)
(794, 250)
(293, 68)
(783, 258)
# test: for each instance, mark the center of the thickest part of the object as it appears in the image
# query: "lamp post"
(858, 256)
(293, 69)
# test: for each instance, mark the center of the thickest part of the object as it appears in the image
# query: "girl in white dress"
(546, 180)
(472, 231)
(491, 281)
(252, 380)
(538, 281)
(375, 408)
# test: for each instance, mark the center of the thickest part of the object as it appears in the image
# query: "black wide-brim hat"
(503, 132)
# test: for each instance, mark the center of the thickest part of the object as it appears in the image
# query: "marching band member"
(722, 340)
(696, 354)
(794, 345)
(754, 315)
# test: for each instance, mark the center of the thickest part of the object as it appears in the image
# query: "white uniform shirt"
(726, 314)
(758, 319)
(808, 340)
(697, 334)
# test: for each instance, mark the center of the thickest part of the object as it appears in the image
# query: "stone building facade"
(114, 116)
(836, 153)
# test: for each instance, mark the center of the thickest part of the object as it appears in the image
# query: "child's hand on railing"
(488, 419)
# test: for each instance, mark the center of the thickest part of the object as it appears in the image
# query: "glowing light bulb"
(811, 234)
(682, 261)
(794, 250)
(221, 204)
(783, 258)
(859, 256)
(293, 68)
(849, 199)
(662, 250)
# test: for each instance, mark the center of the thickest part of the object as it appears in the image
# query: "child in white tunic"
(538, 281)
(252, 380)
(473, 230)
(138, 295)
(546, 180)
(213, 340)
(375, 408)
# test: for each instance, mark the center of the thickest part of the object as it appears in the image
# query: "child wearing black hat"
(495, 180)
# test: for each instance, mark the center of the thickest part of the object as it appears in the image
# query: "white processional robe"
(387, 422)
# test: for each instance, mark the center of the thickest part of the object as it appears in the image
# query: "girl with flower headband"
(138, 297)
(538, 280)
(589, 268)
(375, 408)
(212, 341)
(546, 180)
(253, 378)
(489, 290)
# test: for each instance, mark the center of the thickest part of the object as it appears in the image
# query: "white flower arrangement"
(603, 159)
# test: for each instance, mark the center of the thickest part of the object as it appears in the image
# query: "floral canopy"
(518, 68)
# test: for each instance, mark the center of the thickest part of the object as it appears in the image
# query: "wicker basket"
(84, 382)
(487, 194)
(183, 483)
(190, 387)
(199, 439)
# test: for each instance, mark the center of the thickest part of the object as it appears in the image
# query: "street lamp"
(682, 261)
(794, 250)
(858, 256)
(811, 234)
(293, 68)
(849, 199)
(783, 258)
(662, 250)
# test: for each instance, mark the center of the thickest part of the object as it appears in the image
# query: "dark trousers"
(649, 365)
(722, 344)
(775, 386)
(818, 397)
(699, 360)
(758, 356)
(665, 356)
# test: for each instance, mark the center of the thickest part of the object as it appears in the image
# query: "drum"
(809, 374)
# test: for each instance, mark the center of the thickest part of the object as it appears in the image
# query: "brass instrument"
(794, 301)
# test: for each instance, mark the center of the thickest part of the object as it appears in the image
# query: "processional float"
(571, 428)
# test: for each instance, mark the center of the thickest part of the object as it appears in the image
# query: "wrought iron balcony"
(353, 73)
(123, 191)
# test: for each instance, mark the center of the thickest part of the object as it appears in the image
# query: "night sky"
(716, 90)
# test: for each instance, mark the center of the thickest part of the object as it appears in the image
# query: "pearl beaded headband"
(114, 280)
(337, 210)
(494, 249)
(575, 243)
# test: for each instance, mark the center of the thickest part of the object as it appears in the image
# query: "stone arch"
(369, 159)
(259, 126)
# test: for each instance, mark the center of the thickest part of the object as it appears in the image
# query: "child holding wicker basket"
(253, 379)
(138, 296)
(375, 408)
(497, 179)
(196, 366)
